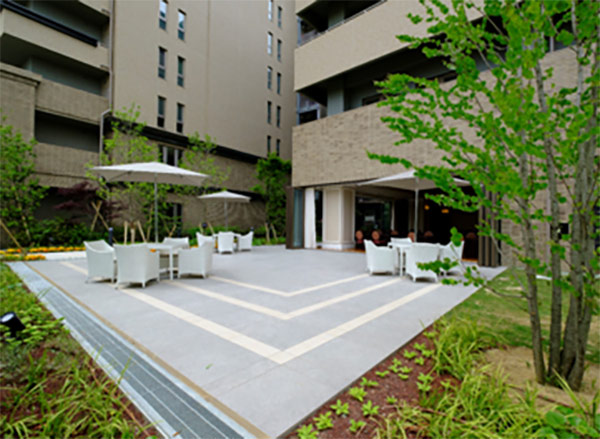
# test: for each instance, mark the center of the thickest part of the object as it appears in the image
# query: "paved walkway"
(272, 334)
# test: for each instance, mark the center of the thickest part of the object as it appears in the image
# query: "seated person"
(359, 239)
(411, 235)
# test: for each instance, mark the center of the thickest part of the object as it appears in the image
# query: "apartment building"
(221, 68)
(344, 46)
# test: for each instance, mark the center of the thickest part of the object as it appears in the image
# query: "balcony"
(59, 99)
(56, 168)
(22, 30)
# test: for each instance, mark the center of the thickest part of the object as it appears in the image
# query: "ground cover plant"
(441, 385)
(49, 386)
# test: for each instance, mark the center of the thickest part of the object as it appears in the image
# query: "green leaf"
(555, 420)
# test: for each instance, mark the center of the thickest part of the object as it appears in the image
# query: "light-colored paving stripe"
(264, 349)
(266, 310)
(241, 303)
(75, 267)
(221, 331)
(251, 286)
(278, 314)
(327, 285)
(326, 303)
(318, 340)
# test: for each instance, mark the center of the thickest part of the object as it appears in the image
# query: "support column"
(338, 218)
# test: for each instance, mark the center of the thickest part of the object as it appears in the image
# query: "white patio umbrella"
(227, 197)
(409, 182)
(150, 172)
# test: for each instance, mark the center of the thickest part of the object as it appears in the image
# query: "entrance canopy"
(408, 181)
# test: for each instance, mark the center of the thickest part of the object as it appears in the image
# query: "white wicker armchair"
(136, 264)
(453, 253)
(100, 260)
(245, 241)
(205, 238)
(177, 242)
(380, 259)
(196, 260)
(421, 253)
(225, 242)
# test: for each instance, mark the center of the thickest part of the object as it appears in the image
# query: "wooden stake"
(13, 238)
(274, 232)
(132, 231)
(139, 224)
(267, 233)
(125, 233)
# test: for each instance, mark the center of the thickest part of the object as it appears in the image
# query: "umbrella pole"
(155, 211)
(416, 213)
(226, 222)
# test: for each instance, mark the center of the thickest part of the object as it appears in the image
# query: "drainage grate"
(174, 407)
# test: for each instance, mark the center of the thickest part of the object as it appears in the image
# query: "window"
(269, 77)
(170, 156)
(162, 14)
(278, 116)
(162, 62)
(278, 50)
(269, 112)
(270, 10)
(180, 71)
(278, 146)
(181, 25)
(160, 118)
(179, 126)
(268, 145)
(278, 83)
(279, 13)
(269, 43)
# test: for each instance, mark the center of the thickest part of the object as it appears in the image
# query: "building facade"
(218, 68)
(358, 41)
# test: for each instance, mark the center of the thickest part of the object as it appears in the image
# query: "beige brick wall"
(61, 166)
(17, 98)
(70, 102)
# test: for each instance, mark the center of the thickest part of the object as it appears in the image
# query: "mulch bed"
(389, 386)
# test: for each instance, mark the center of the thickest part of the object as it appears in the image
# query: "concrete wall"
(225, 49)
(17, 98)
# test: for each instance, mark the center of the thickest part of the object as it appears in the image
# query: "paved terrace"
(265, 340)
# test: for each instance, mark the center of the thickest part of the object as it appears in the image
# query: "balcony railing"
(309, 36)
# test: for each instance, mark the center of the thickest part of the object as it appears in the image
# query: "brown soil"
(389, 386)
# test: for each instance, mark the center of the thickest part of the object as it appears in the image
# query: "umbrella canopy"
(226, 197)
(410, 182)
(150, 172)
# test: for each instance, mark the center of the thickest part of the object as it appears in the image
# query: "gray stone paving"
(245, 347)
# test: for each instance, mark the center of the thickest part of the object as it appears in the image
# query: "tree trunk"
(532, 300)
(555, 259)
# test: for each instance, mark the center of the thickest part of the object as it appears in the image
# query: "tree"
(20, 193)
(127, 144)
(519, 138)
(273, 172)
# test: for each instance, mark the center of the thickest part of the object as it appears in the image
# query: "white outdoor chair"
(245, 241)
(453, 253)
(225, 242)
(421, 253)
(196, 260)
(100, 260)
(177, 242)
(380, 259)
(401, 241)
(136, 264)
(205, 238)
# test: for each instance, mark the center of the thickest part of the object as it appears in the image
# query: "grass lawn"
(508, 319)
(49, 386)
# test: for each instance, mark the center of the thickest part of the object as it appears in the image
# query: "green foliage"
(127, 144)
(405, 369)
(59, 231)
(323, 421)
(420, 361)
(273, 173)
(391, 400)
(368, 383)
(307, 432)
(382, 374)
(48, 387)
(340, 409)
(358, 393)
(20, 193)
(355, 426)
(368, 409)
(200, 157)
(403, 376)
(409, 354)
